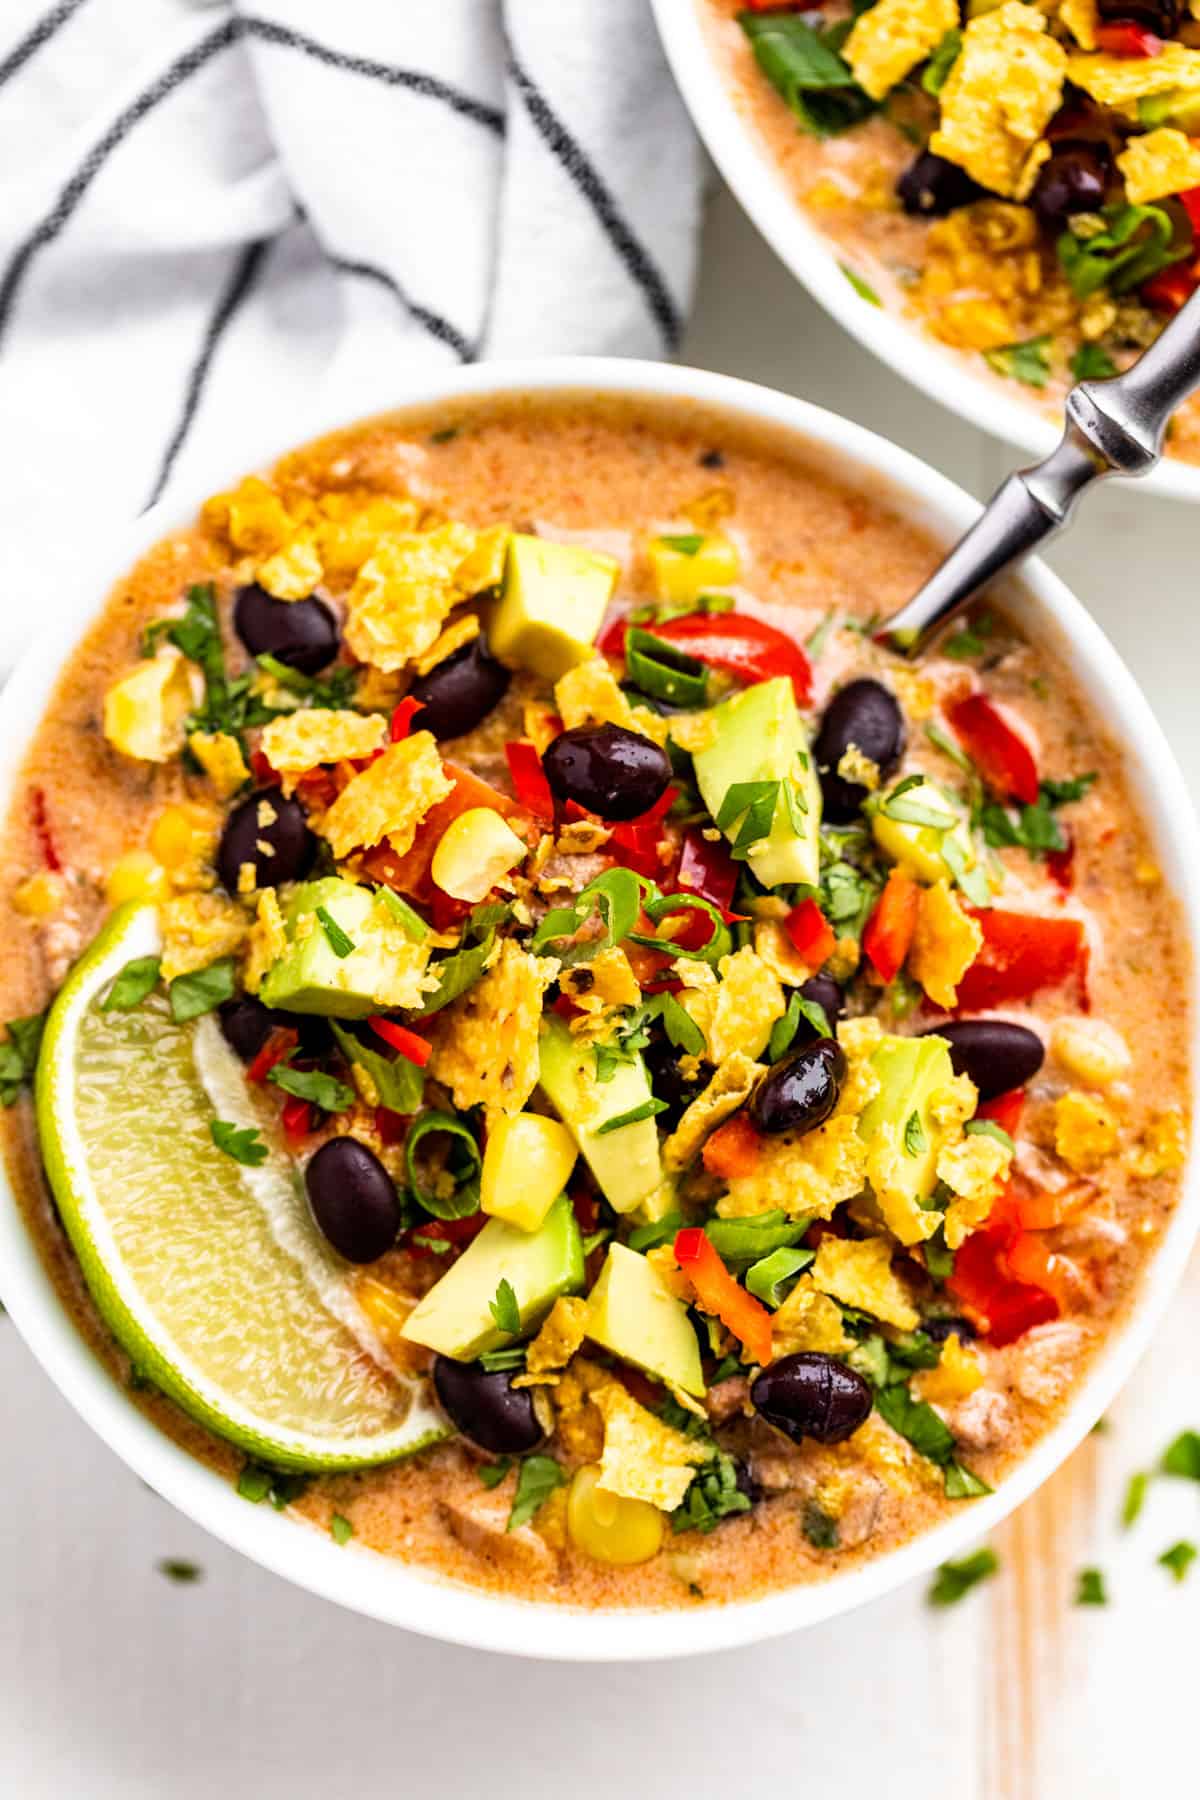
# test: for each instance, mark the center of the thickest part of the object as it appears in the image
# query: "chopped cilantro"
(818, 1527)
(647, 1110)
(939, 1258)
(1183, 1456)
(1028, 362)
(245, 1145)
(679, 1025)
(340, 1528)
(504, 1308)
(954, 1579)
(536, 1481)
(325, 1091)
(498, 1362)
(914, 1135)
(753, 802)
(228, 705)
(132, 984)
(492, 1474)
(1033, 828)
(398, 1084)
(970, 641)
(1091, 363)
(19, 1055)
(930, 1436)
(784, 1030)
(200, 991)
(177, 1570)
(1179, 1558)
(714, 1495)
(687, 543)
(948, 747)
(1090, 1589)
(456, 973)
(340, 942)
(333, 692)
(1135, 1497)
(256, 1483)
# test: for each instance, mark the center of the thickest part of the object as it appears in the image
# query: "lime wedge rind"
(214, 1284)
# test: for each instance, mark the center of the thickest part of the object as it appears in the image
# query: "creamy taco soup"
(1022, 181)
(566, 1062)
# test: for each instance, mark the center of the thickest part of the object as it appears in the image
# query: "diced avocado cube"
(625, 1161)
(911, 1071)
(455, 1316)
(552, 600)
(311, 976)
(758, 737)
(687, 566)
(914, 827)
(632, 1313)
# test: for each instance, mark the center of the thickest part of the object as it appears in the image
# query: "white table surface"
(116, 1683)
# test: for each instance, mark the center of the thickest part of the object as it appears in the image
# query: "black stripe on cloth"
(434, 323)
(37, 35)
(268, 32)
(60, 213)
(635, 257)
(245, 270)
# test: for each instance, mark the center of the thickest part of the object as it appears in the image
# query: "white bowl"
(386, 1589)
(913, 353)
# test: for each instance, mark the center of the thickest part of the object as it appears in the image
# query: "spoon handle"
(1113, 427)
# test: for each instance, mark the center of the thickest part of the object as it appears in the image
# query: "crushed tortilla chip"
(730, 1086)
(220, 756)
(1162, 1147)
(404, 593)
(643, 1459)
(975, 1170)
(319, 735)
(1082, 20)
(460, 631)
(252, 518)
(858, 1272)
(1122, 81)
(353, 520)
(145, 711)
(560, 1337)
(199, 929)
(293, 572)
(808, 1320)
(1159, 163)
(389, 798)
(588, 695)
(1085, 1131)
(607, 981)
(893, 37)
(268, 940)
(955, 1378)
(694, 731)
(945, 943)
(1000, 95)
(483, 566)
(485, 1043)
(748, 1002)
(774, 947)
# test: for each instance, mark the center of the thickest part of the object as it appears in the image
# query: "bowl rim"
(764, 196)
(386, 1589)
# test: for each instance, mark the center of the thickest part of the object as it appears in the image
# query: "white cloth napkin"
(211, 214)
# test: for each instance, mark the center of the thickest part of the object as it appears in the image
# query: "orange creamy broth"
(846, 187)
(603, 468)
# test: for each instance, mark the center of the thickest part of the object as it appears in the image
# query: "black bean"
(487, 1408)
(1163, 17)
(614, 773)
(666, 1079)
(940, 1329)
(461, 691)
(931, 186)
(246, 1024)
(269, 832)
(301, 633)
(812, 1395)
(996, 1054)
(353, 1199)
(866, 716)
(1073, 179)
(802, 1089)
(822, 991)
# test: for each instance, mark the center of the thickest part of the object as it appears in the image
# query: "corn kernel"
(40, 896)
(608, 1527)
(1090, 1050)
(182, 834)
(684, 573)
(135, 876)
(1147, 872)
(525, 1168)
(474, 852)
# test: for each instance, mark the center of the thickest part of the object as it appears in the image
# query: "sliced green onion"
(463, 1164)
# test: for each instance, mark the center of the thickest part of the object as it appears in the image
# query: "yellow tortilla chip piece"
(588, 695)
(749, 1000)
(999, 97)
(144, 712)
(404, 594)
(1085, 1131)
(560, 1337)
(975, 1170)
(858, 1272)
(293, 572)
(887, 1164)
(808, 1320)
(220, 756)
(945, 943)
(352, 521)
(485, 1045)
(1082, 19)
(893, 37)
(1159, 163)
(1124, 80)
(483, 566)
(732, 1084)
(955, 1378)
(252, 518)
(458, 632)
(268, 940)
(198, 929)
(607, 981)
(389, 799)
(320, 735)
(643, 1459)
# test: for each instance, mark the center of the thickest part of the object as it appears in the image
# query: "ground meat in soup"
(1047, 1247)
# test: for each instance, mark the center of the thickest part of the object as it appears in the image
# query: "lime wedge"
(209, 1273)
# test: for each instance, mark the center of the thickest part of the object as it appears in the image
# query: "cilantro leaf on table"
(1179, 1558)
(955, 1579)
(1182, 1457)
(1090, 1589)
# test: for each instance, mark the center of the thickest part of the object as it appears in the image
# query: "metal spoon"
(1114, 427)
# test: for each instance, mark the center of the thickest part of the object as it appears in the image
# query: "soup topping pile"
(648, 1046)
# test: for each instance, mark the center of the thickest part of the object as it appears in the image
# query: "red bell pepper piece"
(529, 780)
(708, 870)
(1021, 953)
(409, 874)
(1005, 1110)
(1190, 202)
(1060, 864)
(402, 718)
(1122, 37)
(415, 1049)
(41, 827)
(717, 1292)
(733, 1149)
(390, 1125)
(1171, 288)
(738, 644)
(296, 1118)
(278, 1047)
(810, 933)
(983, 1281)
(1002, 757)
(890, 928)
(634, 843)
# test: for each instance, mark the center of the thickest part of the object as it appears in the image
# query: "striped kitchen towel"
(214, 214)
